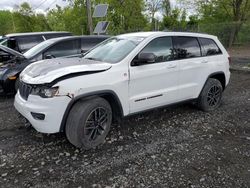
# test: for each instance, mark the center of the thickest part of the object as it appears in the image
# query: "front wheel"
(210, 97)
(89, 122)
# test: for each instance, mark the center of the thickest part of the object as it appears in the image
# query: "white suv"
(124, 75)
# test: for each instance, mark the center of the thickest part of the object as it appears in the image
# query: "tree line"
(132, 15)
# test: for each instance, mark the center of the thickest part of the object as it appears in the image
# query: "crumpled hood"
(47, 71)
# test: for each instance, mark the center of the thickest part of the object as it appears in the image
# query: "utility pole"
(89, 15)
(13, 22)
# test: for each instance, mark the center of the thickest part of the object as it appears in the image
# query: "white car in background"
(124, 75)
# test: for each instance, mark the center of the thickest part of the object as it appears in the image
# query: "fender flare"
(87, 96)
(211, 75)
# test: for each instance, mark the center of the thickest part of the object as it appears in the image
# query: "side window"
(161, 47)
(11, 43)
(88, 43)
(186, 47)
(64, 48)
(209, 47)
(27, 42)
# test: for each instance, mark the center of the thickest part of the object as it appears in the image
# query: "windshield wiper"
(92, 58)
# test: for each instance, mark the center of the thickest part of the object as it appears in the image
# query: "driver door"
(154, 84)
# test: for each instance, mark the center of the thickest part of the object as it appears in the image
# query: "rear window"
(209, 47)
(186, 47)
(26, 43)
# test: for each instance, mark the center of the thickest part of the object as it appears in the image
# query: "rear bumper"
(228, 75)
(51, 108)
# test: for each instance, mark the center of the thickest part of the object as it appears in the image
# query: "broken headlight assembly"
(45, 92)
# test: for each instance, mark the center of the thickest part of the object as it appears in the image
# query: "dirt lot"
(174, 147)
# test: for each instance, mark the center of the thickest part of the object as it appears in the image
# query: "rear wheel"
(210, 97)
(89, 123)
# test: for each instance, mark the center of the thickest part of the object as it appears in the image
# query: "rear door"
(156, 84)
(194, 68)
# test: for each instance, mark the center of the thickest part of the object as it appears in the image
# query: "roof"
(36, 33)
(80, 36)
(160, 33)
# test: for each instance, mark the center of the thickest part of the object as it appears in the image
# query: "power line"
(51, 5)
(40, 4)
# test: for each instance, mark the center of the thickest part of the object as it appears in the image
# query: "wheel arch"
(108, 95)
(219, 76)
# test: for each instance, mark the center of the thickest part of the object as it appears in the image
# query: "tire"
(211, 94)
(86, 127)
(17, 84)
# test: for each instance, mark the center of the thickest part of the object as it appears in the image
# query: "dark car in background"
(58, 47)
(22, 42)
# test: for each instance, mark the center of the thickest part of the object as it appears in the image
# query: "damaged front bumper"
(44, 114)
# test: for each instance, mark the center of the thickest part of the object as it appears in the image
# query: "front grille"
(1, 89)
(25, 90)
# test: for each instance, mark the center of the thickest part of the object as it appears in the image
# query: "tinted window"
(88, 43)
(209, 47)
(56, 35)
(25, 43)
(162, 48)
(64, 48)
(186, 47)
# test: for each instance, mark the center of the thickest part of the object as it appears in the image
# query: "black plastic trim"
(89, 96)
(211, 75)
(161, 107)
(38, 116)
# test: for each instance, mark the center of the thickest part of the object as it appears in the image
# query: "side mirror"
(145, 58)
(83, 51)
(49, 56)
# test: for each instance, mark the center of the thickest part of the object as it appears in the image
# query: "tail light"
(229, 60)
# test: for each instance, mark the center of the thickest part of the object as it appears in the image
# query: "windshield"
(114, 49)
(37, 49)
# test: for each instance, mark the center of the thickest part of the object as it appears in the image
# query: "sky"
(41, 6)
(37, 5)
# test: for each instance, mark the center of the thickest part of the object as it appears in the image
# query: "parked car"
(122, 76)
(22, 42)
(52, 48)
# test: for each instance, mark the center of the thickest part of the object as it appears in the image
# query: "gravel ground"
(174, 147)
(241, 64)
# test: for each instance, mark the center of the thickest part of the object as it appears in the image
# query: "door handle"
(171, 66)
(204, 61)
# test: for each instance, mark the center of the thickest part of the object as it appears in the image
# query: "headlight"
(45, 92)
(2, 72)
(12, 75)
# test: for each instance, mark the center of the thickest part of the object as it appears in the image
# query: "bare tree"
(153, 6)
(240, 10)
(167, 7)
